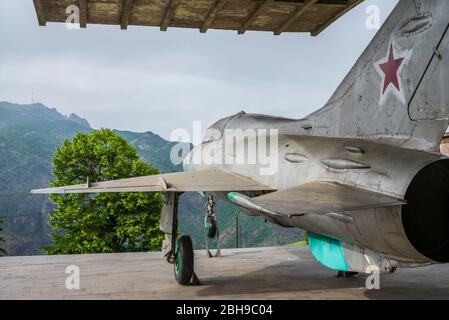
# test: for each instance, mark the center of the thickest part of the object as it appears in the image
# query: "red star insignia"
(390, 69)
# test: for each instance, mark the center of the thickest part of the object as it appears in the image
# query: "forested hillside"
(29, 135)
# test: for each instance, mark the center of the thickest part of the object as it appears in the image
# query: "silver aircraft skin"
(363, 174)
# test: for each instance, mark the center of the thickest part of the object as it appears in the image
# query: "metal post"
(237, 230)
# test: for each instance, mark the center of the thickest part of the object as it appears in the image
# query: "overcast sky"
(143, 79)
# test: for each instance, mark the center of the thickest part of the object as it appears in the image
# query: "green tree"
(105, 222)
(2, 251)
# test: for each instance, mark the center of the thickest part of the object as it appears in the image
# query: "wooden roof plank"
(169, 13)
(295, 16)
(83, 13)
(334, 17)
(40, 12)
(215, 8)
(253, 15)
(127, 7)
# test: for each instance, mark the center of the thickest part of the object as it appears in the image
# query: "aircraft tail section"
(398, 91)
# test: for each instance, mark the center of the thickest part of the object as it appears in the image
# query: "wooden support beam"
(320, 3)
(336, 3)
(127, 7)
(295, 16)
(214, 9)
(40, 12)
(253, 15)
(83, 13)
(169, 13)
(339, 13)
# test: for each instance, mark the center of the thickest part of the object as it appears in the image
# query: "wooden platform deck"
(259, 273)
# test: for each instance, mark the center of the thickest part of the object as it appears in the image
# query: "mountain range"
(29, 136)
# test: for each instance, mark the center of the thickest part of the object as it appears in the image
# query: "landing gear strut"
(211, 227)
(177, 251)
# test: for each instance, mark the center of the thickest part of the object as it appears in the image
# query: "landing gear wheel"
(183, 266)
(211, 227)
(346, 274)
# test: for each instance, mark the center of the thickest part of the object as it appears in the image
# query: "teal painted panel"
(328, 252)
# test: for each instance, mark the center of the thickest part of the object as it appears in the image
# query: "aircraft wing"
(203, 180)
(323, 198)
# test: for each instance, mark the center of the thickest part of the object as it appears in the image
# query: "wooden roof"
(241, 15)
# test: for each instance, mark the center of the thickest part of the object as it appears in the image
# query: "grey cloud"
(143, 79)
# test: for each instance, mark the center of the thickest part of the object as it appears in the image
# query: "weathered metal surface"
(354, 149)
(391, 170)
(343, 164)
(295, 157)
(367, 261)
(203, 180)
(169, 222)
(311, 16)
(250, 205)
(444, 147)
(324, 197)
(362, 107)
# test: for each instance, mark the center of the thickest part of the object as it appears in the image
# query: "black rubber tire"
(183, 267)
(346, 274)
(211, 228)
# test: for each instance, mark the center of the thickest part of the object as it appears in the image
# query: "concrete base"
(259, 273)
